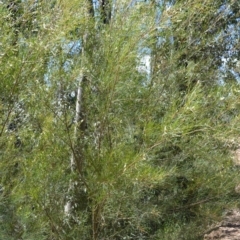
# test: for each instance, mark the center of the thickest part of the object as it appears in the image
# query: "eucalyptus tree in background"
(78, 188)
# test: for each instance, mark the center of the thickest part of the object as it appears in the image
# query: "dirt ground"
(229, 227)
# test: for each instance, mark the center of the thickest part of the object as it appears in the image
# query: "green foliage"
(155, 149)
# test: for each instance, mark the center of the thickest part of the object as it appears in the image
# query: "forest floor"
(229, 227)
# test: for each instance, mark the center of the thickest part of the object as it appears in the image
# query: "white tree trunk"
(73, 161)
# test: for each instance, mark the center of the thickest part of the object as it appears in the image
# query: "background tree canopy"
(117, 119)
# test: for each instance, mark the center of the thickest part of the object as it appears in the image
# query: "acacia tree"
(148, 152)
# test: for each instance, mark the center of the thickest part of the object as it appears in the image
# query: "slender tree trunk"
(76, 187)
(76, 158)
